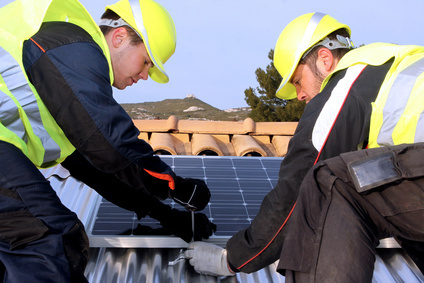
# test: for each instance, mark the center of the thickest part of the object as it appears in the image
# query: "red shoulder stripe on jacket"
(39, 46)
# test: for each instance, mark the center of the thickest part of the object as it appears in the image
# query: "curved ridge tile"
(162, 141)
(281, 144)
(244, 144)
(203, 142)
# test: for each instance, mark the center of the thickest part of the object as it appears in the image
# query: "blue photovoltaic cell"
(237, 184)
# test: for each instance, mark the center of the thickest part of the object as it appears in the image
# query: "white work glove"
(208, 259)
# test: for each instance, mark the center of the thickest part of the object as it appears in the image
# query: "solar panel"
(237, 184)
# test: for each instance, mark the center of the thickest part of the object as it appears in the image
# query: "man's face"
(130, 63)
(307, 84)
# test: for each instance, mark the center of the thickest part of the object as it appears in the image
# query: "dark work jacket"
(71, 75)
(260, 244)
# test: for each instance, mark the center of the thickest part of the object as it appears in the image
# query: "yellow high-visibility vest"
(397, 115)
(24, 119)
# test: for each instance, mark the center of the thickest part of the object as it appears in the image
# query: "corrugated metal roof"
(109, 264)
(151, 265)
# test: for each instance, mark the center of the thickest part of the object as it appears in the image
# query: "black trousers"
(40, 239)
(337, 224)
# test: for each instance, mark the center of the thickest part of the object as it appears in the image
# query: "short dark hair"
(111, 15)
(311, 58)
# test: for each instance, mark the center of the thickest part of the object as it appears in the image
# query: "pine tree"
(266, 107)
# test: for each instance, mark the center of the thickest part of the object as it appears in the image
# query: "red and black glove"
(193, 194)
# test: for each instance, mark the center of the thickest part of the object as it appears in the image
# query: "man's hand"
(178, 222)
(193, 194)
(208, 259)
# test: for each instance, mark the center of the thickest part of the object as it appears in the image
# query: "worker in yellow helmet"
(363, 128)
(57, 69)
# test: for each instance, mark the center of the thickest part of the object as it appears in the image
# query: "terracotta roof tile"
(182, 144)
(266, 145)
(211, 127)
(225, 144)
(276, 128)
(193, 137)
(158, 125)
(202, 143)
(162, 142)
(280, 144)
(246, 145)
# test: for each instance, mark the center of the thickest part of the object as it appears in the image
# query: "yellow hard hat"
(297, 38)
(155, 27)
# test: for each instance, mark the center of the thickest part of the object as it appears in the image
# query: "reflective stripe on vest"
(10, 115)
(399, 116)
(397, 113)
(330, 112)
(24, 119)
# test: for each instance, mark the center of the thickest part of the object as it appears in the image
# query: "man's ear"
(325, 61)
(118, 36)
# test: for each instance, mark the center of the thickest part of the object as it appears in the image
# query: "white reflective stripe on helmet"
(396, 103)
(17, 84)
(138, 17)
(310, 29)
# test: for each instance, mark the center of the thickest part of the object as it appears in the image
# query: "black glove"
(179, 223)
(193, 194)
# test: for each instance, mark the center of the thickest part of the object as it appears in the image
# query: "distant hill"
(184, 109)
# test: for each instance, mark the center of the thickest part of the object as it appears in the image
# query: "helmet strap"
(116, 24)
(331, 44)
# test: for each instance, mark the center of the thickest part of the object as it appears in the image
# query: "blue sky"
(221, 43)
